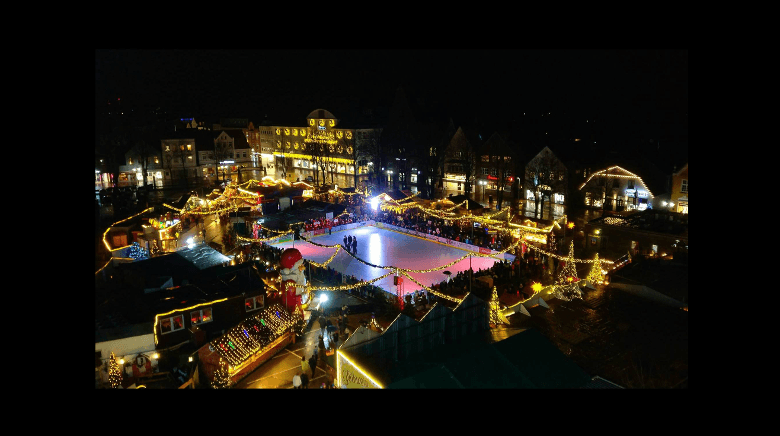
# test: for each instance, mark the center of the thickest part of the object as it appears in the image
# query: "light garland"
(157, 317)
(603, 173)
(121, 221)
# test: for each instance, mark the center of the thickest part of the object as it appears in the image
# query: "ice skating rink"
(389, 248)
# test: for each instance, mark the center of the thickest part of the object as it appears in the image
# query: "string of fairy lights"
(119, 222)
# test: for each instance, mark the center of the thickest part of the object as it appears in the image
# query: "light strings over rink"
(388, 248)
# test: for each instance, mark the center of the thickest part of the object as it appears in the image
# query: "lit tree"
(221, 377)
(114, 372)
(596, 275)
(566, 284)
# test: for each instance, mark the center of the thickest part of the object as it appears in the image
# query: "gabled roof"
(495, 146)
(239, 138)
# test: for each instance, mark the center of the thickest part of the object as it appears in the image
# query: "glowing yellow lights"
(340, 370)
(155, 356)
(339, 134)
(121, 361)
(570, 225)
(536, 287)
(332, 123)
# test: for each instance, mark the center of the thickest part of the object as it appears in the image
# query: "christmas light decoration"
(254, 336)
(596, 275)
(160, 315)
(108, 247)
(630, 175)
(114, 372)
(566, 286)
(137, 253)
(494, 308)
(222, 377)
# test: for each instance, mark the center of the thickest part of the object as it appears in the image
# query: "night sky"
(638, 96)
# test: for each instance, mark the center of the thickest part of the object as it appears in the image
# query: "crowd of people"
(456, 230)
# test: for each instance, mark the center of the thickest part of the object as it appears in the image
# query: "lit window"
(167, 148)
(130, 160)
(189, 147)
(201, 316)
(683, 189)
(253, 303)
(485, 158)
(156, 160)
(171, 324)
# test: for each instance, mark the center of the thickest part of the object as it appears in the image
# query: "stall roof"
(524, 360)
(472, 205)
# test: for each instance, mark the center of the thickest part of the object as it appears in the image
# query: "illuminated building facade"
(495, 166)
(460, 161)
(679, 195)
(319, 142)
(619, 188)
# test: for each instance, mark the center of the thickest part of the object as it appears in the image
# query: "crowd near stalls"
(456, 230)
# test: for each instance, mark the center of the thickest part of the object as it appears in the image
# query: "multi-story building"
(679, 194)
(460, 161)
(616, 188)
(495, 166)
(546, 178)
(309, 147)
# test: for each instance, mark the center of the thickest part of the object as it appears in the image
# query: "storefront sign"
(642, 194)
(631, 193)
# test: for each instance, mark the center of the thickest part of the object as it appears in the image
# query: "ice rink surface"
(389, 248)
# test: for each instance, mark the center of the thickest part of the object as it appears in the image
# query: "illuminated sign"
(642, 194)
(321, 127)
(351, 376)
(492, 178)
(630, 192)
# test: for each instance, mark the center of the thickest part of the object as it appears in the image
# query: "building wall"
(678, 196)
(625, 194)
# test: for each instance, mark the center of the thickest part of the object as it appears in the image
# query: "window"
(684, 186)
(507, 158)
(201, 316)
(167, 148)
(181, 147)
(485, 158)
(119, 240)
(130, 160)
(156, 160)
(253, 303)
(414, 178)
(171, 324)
(485, 171)
(189, 157)
(189, 147)
(493, 172)
(459, 186)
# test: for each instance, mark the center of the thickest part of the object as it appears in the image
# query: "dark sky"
(640, 93)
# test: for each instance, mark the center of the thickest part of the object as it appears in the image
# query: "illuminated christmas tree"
(114, 372)
(596, 275)
(494, 307)
(221, 377)
(566, 286)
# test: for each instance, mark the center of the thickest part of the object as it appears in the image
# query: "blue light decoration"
(277, 315)
(246, 333)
